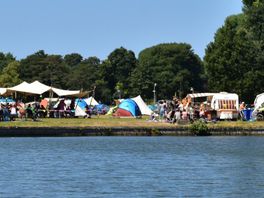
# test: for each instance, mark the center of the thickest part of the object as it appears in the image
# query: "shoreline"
(124, 131)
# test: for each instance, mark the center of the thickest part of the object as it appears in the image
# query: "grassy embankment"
(106, 121)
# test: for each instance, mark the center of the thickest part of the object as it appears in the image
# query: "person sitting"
(30, 112)
(88, 112)
(184, 115)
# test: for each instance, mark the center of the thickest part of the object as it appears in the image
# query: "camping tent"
(258, 103)
(91, 101)
(80, 105)
(145, 110)
(128, 108)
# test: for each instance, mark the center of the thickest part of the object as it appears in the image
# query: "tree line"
(233, 62)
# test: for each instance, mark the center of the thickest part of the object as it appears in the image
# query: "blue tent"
(6, 100)
(127, 107)
(100, 109)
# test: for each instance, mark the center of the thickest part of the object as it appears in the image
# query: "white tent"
(2, 91)
(62, 92)
(259, 100)
(145, 110)
(91, 101)
(22, 87)
(38, 87)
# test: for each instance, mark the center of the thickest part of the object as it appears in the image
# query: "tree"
(120, 64)
(234, 60)
(48, 69)
(10, 75)
(84, 75)
(73, 59)
(174, 67)
(5, 59)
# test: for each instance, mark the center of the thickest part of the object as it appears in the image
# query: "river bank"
(108, 126)
(124, 131)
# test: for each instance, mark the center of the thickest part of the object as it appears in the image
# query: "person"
(184, 115)
(88, 112)
(6, 113)
(242, 107)
(162, 106)
(13, 113)
(1, 112)
(202, 111)
(61, 108)
(29, 112)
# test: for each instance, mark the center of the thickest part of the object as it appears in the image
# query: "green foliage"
(48, 69)
(174, 67)
(10, 76)
(229, 60)
(199, 128)
(5, 59)
(73, 59)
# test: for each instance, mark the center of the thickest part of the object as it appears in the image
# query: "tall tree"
(174, 67)
(119, 66)
(10, 76)
(84, 75)
(73, 59)
(5, 59)
(48, 69)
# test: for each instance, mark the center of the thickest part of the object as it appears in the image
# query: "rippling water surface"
(132, 167)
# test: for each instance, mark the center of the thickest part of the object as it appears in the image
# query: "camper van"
(221, 105)
(226, 105)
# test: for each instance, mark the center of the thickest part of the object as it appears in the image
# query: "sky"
(98, 27)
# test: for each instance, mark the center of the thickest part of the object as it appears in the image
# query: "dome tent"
(128, 108)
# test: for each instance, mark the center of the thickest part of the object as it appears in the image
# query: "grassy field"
(106, 121)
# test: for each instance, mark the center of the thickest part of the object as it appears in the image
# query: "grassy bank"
(106, 121)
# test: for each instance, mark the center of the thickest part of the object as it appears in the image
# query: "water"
(132, 167)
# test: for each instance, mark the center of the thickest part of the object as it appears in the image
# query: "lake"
(132, 167)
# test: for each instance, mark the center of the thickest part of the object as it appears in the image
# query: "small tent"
(128, 108)
(145, 110)
(258, 103)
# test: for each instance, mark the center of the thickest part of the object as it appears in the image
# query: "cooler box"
(247, 114)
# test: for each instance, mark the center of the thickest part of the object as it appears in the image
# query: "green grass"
(109, 121)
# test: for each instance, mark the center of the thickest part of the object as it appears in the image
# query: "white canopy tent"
(62, 92)
(38, 88)
(2, 91)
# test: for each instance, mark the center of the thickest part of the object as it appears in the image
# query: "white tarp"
(22, 87)
(38, 87)
(2, 91)
(145, 110)
(61, 92)
(259, 100)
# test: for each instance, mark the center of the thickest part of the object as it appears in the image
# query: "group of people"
(9, 112)
(176, 109)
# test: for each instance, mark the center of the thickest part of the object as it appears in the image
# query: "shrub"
(199, 128)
